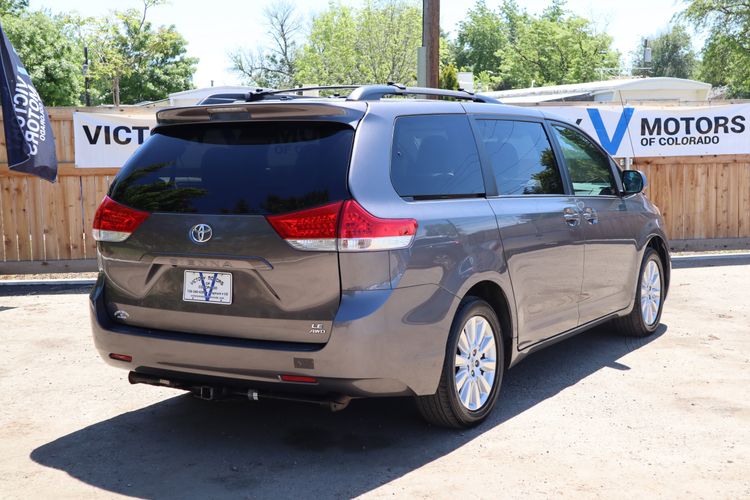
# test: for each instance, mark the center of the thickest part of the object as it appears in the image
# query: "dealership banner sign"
(627, 131)
(108, 140)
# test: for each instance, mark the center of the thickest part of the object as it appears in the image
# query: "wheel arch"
(660, 246)
(493, 294)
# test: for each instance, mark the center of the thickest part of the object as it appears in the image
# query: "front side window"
(522, 158)
(589, 168)
(435, 156)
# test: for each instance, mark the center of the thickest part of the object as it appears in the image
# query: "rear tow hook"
(204, 392)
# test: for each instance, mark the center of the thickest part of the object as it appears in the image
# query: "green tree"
(49, 49)
(671, 55)
(482, 37)
(14, 7)
(374, 43)
(554, 48)
(726, 53)
(276, 66)
(448, 77)
(131, 61)
(510, 48)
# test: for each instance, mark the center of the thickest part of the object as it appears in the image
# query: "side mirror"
(634, 181)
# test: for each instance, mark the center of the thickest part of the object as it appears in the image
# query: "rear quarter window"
(238, 168)
(435, 156)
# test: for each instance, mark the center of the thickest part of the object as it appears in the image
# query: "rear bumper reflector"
(299, 379)
(121, 357)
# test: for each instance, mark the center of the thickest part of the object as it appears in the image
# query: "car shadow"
(183, 447)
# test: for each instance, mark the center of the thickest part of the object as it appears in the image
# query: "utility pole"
(431, 40)
(87, 94)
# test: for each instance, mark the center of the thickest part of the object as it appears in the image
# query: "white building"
(194, 96)
(632, 89)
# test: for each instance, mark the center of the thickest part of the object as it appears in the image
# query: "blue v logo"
(611, 144)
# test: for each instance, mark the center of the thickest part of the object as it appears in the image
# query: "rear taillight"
(115, 222)
(313, 229)
(345, 226)
(360, 230)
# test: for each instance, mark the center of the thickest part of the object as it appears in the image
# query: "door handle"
(591, 215)
(571, 216)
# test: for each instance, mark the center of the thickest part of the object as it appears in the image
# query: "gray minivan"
(328, 248)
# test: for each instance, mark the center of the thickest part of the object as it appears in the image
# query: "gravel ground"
(597, 416)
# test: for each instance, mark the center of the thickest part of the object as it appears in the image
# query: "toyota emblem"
(201, 233)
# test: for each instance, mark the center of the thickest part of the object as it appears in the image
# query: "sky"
(214, 31)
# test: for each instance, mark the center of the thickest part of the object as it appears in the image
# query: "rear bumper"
(383, 343)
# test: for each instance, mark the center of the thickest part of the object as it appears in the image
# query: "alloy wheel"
(650, 293)
(476, 362)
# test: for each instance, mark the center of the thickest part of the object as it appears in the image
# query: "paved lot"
(596, 416)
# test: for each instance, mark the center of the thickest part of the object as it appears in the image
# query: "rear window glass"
(435, 156)
(238, 168)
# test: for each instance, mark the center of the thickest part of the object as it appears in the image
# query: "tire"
(638, 323)
(449, 407)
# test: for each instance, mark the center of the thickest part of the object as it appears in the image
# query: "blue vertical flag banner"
(28, 132)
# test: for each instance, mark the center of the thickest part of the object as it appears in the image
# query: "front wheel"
(649, 299)
(472, 371)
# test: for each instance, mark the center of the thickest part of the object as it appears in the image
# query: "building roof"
(560, 92)
(207, 91)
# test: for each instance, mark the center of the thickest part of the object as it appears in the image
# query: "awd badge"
(317, 329)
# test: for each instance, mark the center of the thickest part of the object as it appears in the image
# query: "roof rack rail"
(358, 93)
(263, 94)
(374, 92)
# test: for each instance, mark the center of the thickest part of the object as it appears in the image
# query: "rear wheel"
(472, 371)
(649, 299)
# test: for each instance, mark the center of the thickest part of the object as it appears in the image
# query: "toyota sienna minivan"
(372, 244)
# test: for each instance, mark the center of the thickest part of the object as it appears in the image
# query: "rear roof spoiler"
(342, 112)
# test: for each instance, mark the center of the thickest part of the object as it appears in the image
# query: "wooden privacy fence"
(700, 197)
(40, 221)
